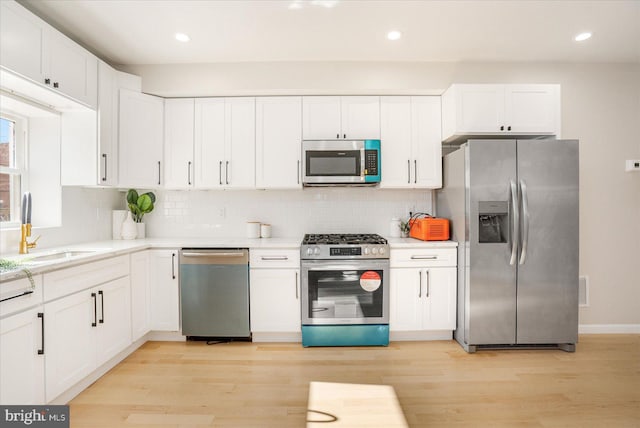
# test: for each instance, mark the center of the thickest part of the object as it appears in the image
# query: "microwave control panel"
(371, 162)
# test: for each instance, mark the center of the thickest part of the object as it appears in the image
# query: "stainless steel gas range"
(345, 290)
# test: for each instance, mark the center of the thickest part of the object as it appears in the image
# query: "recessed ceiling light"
(582, 37)
(394, 35)
(181, 37)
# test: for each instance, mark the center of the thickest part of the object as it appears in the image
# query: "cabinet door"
(480, 108)
(21, 366)
(70, 328)
(360, 118)
(107, 125)
(275, 300)
(21, 41)
(426, 142)
(321, 118)
(209, 142)
(141, 133)
(240, 144)
(439, 296)
(396, 136)
(114, 319)
(72, 70)
(178, 143)
(164, 290)
(140, 303)
(532, 108)
(405, 300)
(278, 142)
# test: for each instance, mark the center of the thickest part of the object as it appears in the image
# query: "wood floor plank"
(437, 384)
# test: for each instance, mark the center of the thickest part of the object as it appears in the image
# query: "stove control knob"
(309, 251)
(366, 251)
(316, 251)
(374, 250)
(381, 250)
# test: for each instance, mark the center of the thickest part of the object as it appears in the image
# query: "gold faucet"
(25, 232)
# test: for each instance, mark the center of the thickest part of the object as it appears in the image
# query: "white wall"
(600, 107)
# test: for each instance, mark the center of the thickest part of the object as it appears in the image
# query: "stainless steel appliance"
(345, 290)
(340, 162)
(214, 293)
(513, 206)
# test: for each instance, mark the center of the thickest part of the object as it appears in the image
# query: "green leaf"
(145, 204)
(132, 196)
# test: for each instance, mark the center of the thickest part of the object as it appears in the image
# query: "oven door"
(345, 292)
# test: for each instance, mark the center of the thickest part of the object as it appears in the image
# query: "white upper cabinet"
(488, 110)
(107, 125)
(333, 117)
(411, 142)
(178, 143)
(35, 50)
(278, 142)
(140, 137)
(225, 142)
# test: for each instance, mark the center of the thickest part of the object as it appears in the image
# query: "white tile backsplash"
(292, 213)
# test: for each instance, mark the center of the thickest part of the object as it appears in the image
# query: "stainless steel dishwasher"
(214, 293)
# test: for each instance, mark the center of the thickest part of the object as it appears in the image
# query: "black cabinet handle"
(104, 177)
(415, 171)
(337, 136)
(101, 306)
(502, 128)
(298, 172)
(508, 128)
(344, 135)
(159, 173)
(408, 171)
(55, 84)
(173, 266)
(95, 310)
(189, 173)
(47, 81)
(41, 350)
(226, 172)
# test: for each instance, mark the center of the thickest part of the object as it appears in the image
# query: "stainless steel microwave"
(340, 162)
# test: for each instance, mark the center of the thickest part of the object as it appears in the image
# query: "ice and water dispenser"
(493, 222)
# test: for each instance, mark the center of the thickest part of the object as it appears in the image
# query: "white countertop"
(103, 249)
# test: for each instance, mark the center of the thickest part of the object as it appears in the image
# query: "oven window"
(333, 163)
(345, 294)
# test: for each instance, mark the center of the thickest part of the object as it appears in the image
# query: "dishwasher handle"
(207, 254)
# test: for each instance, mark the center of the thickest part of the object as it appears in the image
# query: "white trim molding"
(609, 329)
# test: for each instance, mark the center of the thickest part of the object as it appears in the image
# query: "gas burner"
(344, 246)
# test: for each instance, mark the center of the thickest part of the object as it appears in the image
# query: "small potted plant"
(404, 228)
(139, 205)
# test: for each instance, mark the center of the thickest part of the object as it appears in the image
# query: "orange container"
(429, 229)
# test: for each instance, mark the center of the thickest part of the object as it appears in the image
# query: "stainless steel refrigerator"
(513, 206)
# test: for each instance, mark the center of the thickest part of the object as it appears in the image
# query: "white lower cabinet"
(22, 358)
(423, 290)
(140, 295)
(164, 290)
(83, 331)
(274, 294)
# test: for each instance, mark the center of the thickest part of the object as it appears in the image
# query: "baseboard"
(165, 336)
(277, 337)
(609, 329)
(420, 335)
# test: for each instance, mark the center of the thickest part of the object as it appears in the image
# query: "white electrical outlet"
(632, 165)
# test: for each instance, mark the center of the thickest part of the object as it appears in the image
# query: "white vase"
(118, 217)
(141, 231)
(129, 230)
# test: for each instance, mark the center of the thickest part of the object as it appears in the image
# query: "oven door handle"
(370, 264)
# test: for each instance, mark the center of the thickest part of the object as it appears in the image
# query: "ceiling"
(142, 31)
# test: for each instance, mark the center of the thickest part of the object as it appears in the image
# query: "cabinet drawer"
(274, 258)
(67, 281)
(423, 257)
(20, 295)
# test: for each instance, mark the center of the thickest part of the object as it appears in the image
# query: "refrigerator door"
(548, 259)
(490, 286)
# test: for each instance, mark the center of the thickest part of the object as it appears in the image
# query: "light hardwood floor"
(171, 384)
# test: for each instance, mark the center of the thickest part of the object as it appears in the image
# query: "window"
(11, 168)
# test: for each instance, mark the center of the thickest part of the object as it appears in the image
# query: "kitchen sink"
(59, 255)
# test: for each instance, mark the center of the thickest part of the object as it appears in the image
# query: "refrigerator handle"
(525, 222)
(515, 217)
